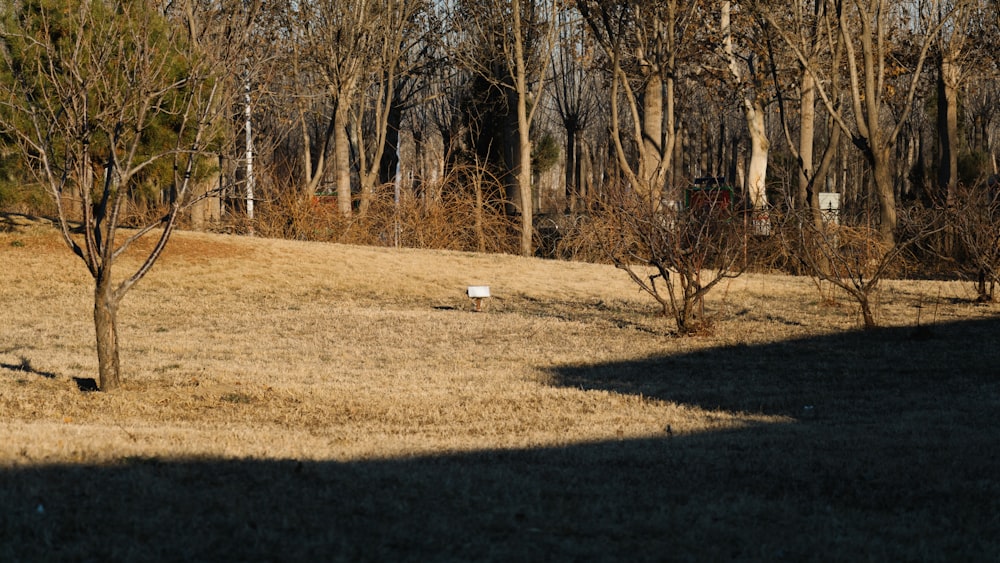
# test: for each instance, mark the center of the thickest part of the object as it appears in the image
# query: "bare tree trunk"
(106, 326)
(342, 156)
(807, 135)
(572, 191)
(585, 176)
(480, 233)
(753, 111)
(652, 134)
(867, 315)
(759, 145)
(525, 117)
(949, 79)
(390, 156)
(670, 116)
(885, 191)
(524, 175)
(313, 174)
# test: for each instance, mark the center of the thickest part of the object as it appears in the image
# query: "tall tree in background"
(882, 83)
(233, 30)
(99, 95)
(954, 52)
(512, 39)
(355, 51)
(395, 29)
(341, 41)
(642, 40)
(748, 79)
(868, 28)
(574, 92)
(806, 27)
(414, 69)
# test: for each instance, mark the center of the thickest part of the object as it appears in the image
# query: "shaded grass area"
(897, 460)
(719, 497)
(883, 375)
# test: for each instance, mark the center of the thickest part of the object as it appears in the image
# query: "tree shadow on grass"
(882, 373)
(900, 463)
(25, 367)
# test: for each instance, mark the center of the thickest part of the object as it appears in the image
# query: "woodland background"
(341, 401)
(496, 126)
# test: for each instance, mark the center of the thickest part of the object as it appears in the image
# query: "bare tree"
(641, 41)
(233, 30)
(808, 25)
(85, 87)
(353, 50)
(394, 30)
(574, 92)
(856, 258)
(515, 36)
(974, 214)
(748, 79)
(866, 28)
(676, 256)
(956, 59)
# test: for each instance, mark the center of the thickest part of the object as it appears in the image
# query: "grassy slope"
(299, 400)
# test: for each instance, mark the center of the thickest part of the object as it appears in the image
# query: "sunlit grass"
(355, 352)
(346, 351)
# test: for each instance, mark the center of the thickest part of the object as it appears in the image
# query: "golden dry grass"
(324, 401)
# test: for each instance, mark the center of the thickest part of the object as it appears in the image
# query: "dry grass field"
(314, 402)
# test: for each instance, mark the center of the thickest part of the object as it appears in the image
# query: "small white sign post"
(477, 293)
(829, 207)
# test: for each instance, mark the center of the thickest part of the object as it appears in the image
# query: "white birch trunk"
(759, 146)
(249, 147)
(753, 111)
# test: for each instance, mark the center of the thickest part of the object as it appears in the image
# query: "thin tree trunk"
(524, 130)
(480, 233)
(822, 174)
(571, 173)
(670, 124)
(524, 178)
(807, 134)
(390, 155)
(248, 130)
(314, 173)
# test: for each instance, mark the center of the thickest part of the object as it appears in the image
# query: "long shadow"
(26, 367)
(881, 372)
(898, 462)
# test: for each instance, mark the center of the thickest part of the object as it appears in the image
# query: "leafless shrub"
(974, 218)
(289, 215)
(676, 255)
(464, 211)
(855, 257)
(581, 235)
(769, 254)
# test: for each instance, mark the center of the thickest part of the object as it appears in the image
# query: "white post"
(249, 144)
(396, 188)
